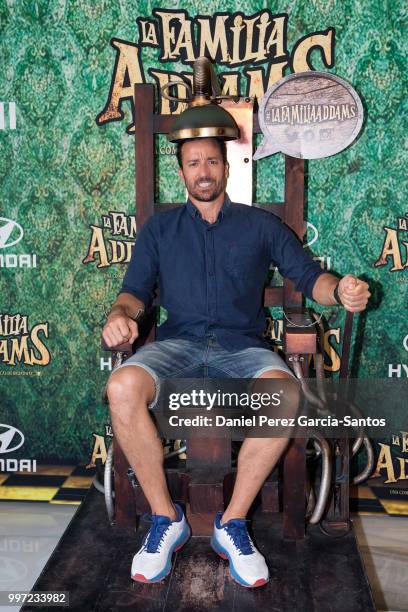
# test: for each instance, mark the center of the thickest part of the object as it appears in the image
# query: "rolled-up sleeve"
(141, 275)
(293, 262)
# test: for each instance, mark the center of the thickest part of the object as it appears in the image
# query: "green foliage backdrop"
(59, 172)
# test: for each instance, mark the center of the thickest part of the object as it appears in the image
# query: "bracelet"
(336, 294)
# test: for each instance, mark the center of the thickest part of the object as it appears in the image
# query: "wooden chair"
(206, 480)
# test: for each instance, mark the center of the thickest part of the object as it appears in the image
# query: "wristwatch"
(336, 294)
(139, 314)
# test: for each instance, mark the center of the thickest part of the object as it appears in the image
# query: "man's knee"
(277, 374)
(290, 398)
(128, 386)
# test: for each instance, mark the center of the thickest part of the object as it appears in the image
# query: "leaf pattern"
(59, 172)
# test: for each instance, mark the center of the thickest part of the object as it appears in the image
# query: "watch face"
(309, 115)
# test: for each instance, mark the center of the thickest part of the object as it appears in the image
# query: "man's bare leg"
(130, 390)
(256, 460)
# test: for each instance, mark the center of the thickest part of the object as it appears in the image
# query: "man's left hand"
(354, 293)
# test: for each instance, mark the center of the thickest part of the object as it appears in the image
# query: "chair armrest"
(118, 348)
(300, 332)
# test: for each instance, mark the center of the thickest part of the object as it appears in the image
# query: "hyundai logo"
(11, 233)
(11, 438)
(405, 343)
(315, 235)
(11, 570)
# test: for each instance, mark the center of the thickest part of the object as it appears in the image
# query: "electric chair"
(204, 481)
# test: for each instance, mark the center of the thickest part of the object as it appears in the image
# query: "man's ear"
(227, 166)
(180, 173)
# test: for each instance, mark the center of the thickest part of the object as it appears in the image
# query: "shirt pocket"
(241, 260)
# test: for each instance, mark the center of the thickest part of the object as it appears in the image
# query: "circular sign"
(309, 115)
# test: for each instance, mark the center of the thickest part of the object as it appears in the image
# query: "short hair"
(221, 143)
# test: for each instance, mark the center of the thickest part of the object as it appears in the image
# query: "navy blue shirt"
(211, 276)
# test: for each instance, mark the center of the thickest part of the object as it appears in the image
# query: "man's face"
(203, 171)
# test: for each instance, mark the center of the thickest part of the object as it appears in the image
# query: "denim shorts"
(202, 358)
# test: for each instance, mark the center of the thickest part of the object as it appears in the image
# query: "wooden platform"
(92, 562)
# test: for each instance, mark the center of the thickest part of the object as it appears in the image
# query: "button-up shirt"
(211, 276)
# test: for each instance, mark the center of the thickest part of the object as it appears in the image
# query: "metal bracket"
(296, 358)
(132, 478)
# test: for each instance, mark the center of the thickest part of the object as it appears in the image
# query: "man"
(210, 259)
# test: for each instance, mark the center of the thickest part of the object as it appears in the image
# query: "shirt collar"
(194, 212)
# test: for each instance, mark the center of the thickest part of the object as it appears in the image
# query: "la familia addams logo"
(229, 39)
(331, 352)
(100, 444)
(20, 344)
(394, 467)
(395, 249)
(116, 250)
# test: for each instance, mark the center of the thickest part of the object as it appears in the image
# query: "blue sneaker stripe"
(219, 549)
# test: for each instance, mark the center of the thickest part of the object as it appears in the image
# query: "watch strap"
(336, 294)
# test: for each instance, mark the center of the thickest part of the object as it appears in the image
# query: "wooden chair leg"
(124, 497)
(337, 520)
(270, 493)
(294, 490)
(208, 462)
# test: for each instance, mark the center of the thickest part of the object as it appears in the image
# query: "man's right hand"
(119, 329)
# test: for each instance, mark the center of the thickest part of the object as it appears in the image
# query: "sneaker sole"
(167, 569)
(221, 552)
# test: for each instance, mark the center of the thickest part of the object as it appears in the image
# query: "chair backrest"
(148, 124)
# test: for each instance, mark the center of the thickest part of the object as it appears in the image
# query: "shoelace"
(237, 530)
(154, 538)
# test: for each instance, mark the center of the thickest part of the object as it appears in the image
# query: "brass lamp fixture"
(204, 117)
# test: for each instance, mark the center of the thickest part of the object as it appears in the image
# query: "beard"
(206, 194)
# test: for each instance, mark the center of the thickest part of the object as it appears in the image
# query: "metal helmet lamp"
(204, 117)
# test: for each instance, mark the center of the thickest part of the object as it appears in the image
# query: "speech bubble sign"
(309, 115)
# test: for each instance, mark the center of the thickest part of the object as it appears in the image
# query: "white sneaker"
(232, 542)
(152, 562)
